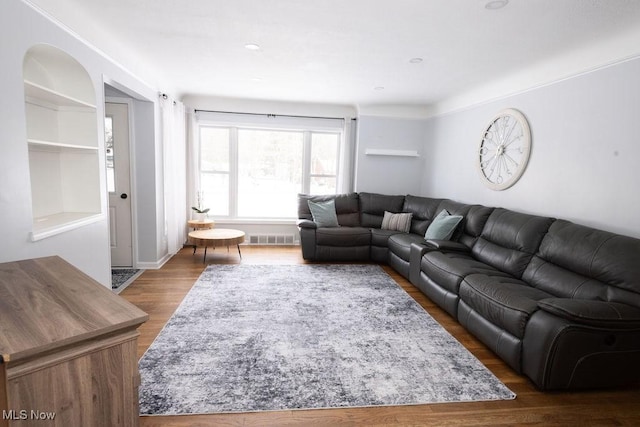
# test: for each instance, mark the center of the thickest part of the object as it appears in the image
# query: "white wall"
(584, 163)
(389, 174)
(257, 106)
(87, 247)
(152, 250)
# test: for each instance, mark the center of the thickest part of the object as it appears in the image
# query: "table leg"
(204, 259)
(239, 253)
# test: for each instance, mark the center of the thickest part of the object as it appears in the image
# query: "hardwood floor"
(159, 292)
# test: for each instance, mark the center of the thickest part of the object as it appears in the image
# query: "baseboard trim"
(154, 265)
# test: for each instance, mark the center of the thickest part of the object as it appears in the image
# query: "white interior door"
(119, 183)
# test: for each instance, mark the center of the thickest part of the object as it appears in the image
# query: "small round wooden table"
(217, 237)
(198, 224)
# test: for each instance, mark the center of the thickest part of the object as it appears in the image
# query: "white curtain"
(193, 153)
(174, 143)
(347, 156)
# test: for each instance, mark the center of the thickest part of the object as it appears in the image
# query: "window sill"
(260, 221)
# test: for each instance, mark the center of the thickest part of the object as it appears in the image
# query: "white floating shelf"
(389, 152)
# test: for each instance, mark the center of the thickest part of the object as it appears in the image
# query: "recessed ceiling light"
(496, 4)
(256, 79)
(415, 60)
(252, 46)
(378, 88)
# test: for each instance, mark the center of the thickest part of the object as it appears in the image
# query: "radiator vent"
(272, 239)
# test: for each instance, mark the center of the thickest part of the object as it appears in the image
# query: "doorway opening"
(117, 141)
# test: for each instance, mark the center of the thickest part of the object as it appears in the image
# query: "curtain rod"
(272, 115)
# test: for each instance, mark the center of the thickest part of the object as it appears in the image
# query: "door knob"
(123, 196)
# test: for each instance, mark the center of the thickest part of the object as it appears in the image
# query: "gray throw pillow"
(443, 226)
(324, 213)
(396, 221)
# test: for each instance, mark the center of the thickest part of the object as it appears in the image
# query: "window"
(111, 175)
(269, 172)
(215, 169)
(324, 153)
(248, 172)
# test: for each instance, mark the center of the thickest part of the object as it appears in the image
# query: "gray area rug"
(276, 337)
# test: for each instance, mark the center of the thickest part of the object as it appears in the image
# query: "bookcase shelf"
(36, 93)
(35, 144)
(51, 225)
(62, 137)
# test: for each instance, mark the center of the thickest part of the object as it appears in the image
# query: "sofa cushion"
(562, 282)
(443, 226)
(575, 261)
(396, 221)
(509, 240)
(400, 244)
(347, 207)
(324, 213)
(504, 301)
(380, 237)
(424, 209)
(447, 245)
(373, 206)
(454, 208)
(343, 236)
(473, 224)
(447, 269)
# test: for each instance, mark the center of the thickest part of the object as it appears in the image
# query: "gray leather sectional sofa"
(557, 301)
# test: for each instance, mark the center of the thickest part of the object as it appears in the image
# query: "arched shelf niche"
(62, 136)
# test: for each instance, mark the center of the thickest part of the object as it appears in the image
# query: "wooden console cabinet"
(68, 348)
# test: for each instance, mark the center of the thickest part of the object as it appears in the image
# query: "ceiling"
(354, 52)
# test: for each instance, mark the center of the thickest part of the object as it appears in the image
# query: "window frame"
(308, 158)
(233, 173)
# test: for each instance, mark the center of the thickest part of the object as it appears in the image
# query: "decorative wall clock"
(504, 149)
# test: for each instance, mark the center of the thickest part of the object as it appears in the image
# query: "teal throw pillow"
(443, 226)
(324, 213)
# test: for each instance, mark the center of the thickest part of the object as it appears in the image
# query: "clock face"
(504, 150)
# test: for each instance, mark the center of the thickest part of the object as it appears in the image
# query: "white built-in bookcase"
(62, 136)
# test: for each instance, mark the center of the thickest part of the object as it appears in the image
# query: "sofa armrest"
(448, 245)
(558, 353)
(417, 250)
(306, 223)
(593, 313)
